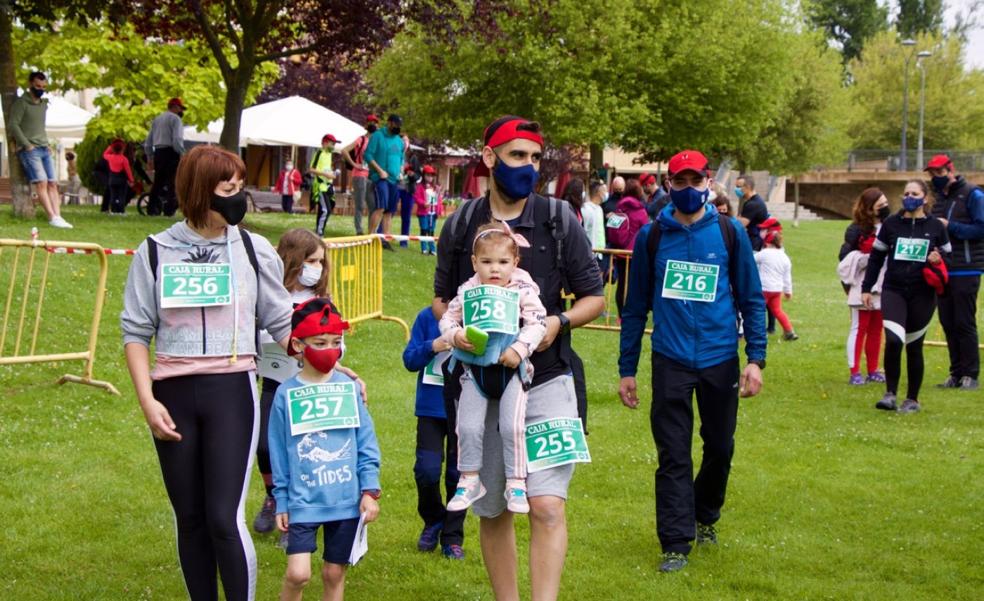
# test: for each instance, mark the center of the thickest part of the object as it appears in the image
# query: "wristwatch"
(565, 324)
(759, 362)
(375, 493)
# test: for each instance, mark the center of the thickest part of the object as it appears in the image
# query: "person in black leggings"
(909, 239)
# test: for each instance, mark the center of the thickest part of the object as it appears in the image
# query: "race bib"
(431, 198)
(317, 407)
(554, 442)
(690, 281)
(432, 373)
(615, 221)
(195, 285)
(911, 249)
(492, 309)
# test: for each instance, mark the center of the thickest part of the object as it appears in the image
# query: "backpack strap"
(458, 222)
(152, 255)
(727, 234)
(251, 253)
(560, 223)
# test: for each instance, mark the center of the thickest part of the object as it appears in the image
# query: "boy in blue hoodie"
(323, 452)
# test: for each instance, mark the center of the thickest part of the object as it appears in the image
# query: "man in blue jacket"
(694, 276)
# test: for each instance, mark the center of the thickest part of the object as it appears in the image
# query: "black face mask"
(883, 213)
(181, 113)
(232, 208)
(371, 128)
(395, 130)
(38, 92)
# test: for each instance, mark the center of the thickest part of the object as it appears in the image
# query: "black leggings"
(906, 316)
(263, 444)
(206, 475)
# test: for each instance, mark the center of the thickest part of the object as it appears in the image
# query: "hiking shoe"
(706, 534)
(968, 383)
(790, 336)
(516, 500)
(856, 380)
(388, 246)
(949, 382)
(452, 551)
(887, 402)
(428, 537)
(673, 562)
(469, 490)
(266, 519)
(876, 376)
(909, 406)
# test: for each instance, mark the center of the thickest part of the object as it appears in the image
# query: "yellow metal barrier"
(356, 281)
(25, 293)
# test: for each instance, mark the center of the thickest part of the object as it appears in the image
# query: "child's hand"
(510, 358)
(440, 345)
(370, 507)
(461, 341)
(282, 522)
(934, 258)
(787, 295)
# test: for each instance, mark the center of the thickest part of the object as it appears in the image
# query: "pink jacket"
(425, 208)
(531, 312)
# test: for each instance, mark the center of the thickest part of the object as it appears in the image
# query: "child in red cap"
(429, 199)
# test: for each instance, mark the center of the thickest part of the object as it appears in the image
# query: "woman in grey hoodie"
(201, 290)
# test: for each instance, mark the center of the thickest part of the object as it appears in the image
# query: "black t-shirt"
(903, 275)
(580, 267)
(755, 211)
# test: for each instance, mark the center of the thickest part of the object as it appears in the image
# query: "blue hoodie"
(419, 353)
(319, 477)
(695, 334)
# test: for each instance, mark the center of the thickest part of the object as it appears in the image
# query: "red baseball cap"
(314, 317)
(508, 128)
(372, 118)
(647, 178)
(329, 138)
(176, 102)
(938, 162)
(688, 160)
(429, 170)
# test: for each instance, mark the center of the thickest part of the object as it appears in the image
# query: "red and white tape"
(61, 250)
(398, 238)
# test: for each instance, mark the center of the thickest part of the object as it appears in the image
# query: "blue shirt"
(417, 355)
(387, 150)
(319, 477)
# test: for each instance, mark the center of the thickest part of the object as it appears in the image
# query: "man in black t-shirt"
(753, 210)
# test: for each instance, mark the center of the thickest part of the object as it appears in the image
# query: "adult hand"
(866, 300)
(383, 174)
(750, 383)
(362, 385)
(440, 345)
(159, 420)
(370, 507)
(461, 341)
(945, 222)
(510, 358)
(282, 522)
(627, 392)
(29, 148)
(934, 257)
(553, 328)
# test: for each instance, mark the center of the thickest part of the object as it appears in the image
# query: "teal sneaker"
(469, 490)
(515, 494)
(673, 562)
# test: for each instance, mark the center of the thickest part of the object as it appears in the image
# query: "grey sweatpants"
(365, 200)
(472, 406)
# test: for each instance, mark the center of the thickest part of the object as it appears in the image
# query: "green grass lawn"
(829, 498)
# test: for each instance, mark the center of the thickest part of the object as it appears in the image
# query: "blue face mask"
(689, 200)
(940, 182)
(739, 193)
(911, 203)
(515, 182)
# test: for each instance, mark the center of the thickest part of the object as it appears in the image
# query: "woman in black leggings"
(909, 239)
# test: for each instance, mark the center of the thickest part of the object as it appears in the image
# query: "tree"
(919, 16)
(34, 14)
(332, 83)
(137, 74)
(848, 23)
(244, 34)
(954, 116)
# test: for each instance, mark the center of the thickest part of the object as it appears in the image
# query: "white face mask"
(310, 275)
(289, 166)
(711, 196)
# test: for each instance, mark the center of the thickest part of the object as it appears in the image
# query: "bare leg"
(333, 575)
(374, 218)
(54, 198)
(548, 546)
(41, 189)
(387, 219)
(498, 539)
(297, 576)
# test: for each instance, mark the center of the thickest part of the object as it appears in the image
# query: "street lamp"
(905, 107)
(922, 103)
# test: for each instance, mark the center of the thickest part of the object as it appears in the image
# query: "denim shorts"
(37, 164)
(387, 196)
(339, 538)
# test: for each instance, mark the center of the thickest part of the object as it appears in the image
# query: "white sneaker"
(469, 490)
(58, 221)
(516, 500)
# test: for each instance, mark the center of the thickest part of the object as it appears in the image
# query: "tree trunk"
(23, 204)
(236, 87)
(597, 157)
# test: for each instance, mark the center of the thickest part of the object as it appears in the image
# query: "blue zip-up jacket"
(319, 477)
(695, 334)
(420, 352)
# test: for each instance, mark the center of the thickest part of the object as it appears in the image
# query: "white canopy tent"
(292, 121)
(64, 120)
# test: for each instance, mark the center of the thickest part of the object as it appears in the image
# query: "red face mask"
(323, 360)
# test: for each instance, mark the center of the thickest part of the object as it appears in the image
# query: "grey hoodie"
(218, 331)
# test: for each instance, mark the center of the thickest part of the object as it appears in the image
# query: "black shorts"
(339, 538)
